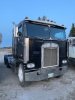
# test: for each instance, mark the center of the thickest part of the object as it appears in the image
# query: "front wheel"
(21, 75)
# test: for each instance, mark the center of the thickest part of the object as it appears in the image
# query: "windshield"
(57, 33)
(44, 31)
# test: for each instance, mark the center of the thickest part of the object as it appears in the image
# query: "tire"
(7, 64)
(58, 76)
(21, 75)
(16, 70)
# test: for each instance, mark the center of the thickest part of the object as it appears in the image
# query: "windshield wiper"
(37, 37)
(56, 38)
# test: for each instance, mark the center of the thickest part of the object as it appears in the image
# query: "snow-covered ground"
(62, 88)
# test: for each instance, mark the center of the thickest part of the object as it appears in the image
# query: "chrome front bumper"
(45, 73)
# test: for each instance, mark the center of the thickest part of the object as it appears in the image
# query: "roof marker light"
(51, 20)
(44, 18)
(54, 22)
(48, 20)
(39, 18)
(62, 25)
(26, 17)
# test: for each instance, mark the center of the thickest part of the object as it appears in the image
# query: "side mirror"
(19, 34)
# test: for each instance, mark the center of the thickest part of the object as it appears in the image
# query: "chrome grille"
(50, 56)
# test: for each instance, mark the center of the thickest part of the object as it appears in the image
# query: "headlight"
(30, 65)
(64, 61)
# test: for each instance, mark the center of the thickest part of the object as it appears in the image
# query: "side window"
(25, 30)
(20, 31)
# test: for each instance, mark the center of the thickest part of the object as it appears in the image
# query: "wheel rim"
(20, 74)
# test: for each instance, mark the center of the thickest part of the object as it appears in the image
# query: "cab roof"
(44, 22)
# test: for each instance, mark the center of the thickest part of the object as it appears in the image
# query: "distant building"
(0, 37)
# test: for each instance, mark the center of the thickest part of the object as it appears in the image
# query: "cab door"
(20, 47)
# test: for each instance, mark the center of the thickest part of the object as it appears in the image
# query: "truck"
(71, 51)
(39, 50)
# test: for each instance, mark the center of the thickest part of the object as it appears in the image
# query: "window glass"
(45, 32)
(57, 33)
(35, 30)
(20, 30)
(25, 30)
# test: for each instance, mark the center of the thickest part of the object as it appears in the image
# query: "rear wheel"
(58, 76)
(7, 64)
(21, 75)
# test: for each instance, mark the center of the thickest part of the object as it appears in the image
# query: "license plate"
(50, 75)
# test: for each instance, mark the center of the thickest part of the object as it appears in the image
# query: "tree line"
(72, 31)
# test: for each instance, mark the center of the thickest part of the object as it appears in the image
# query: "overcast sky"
(61, 11)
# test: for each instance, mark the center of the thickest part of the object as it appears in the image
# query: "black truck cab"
(40, 50)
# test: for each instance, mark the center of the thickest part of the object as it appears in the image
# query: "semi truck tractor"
(39, 50)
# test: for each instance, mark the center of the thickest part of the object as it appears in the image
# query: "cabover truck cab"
(71, 51)
(39, 49)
